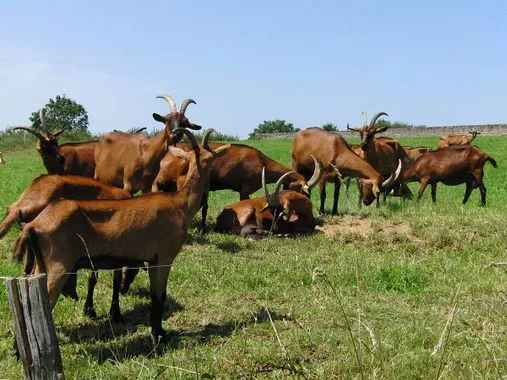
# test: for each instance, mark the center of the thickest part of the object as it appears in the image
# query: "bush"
(272, 126)
(330, 127)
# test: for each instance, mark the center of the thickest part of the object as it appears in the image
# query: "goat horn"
(185, 104)
(263, 181)
(139, 130)
(169, 99)
(316, 173)
(35, 133)
(375, 118)
(205, 139)
(41, 117)
(393, 177)
(340, 177)
(278, 183)
(190, 137)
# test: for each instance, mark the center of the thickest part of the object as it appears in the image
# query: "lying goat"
(280, 212)
(448, 140)
(151, 228)
(47, 188)
(453, 165)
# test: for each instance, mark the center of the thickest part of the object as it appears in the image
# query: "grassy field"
(367, 296)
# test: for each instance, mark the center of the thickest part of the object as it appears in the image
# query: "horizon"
(309, 63)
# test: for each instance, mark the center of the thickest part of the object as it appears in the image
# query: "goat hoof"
(90, 313)
(116, 317)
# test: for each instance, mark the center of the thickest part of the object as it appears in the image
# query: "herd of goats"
(83, 213)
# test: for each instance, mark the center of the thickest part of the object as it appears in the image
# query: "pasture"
(403, 291)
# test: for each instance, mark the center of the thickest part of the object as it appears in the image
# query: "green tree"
(330, 127)
(273, 126)
(62, 113)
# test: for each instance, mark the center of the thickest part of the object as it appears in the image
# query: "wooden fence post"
(34, 328)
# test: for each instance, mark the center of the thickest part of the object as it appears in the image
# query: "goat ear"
(157, 117)
(178, 152)
(221, 150)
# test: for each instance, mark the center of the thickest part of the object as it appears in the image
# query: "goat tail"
(27, 245)
(7, 223)
(490, 159)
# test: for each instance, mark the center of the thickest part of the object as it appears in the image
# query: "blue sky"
(308, 62)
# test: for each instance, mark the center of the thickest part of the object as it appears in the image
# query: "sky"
(306, 62)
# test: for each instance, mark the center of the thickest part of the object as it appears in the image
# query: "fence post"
(34, 328)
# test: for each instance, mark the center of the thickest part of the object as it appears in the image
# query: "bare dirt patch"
(350, 225)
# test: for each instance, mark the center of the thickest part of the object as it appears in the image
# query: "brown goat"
(453, 165)
(447, 140)
(47, 188)
(382, 153)
(413, 153)
(239, 169)
(70, 158)
(150, 228)
(280, 212)
(330, 147)
(133, 161)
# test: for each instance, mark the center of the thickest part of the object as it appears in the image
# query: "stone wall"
(486, 130)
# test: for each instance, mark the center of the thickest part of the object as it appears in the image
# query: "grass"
(343, 303)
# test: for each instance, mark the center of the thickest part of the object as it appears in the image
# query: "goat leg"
(114, 311)
(89, 309)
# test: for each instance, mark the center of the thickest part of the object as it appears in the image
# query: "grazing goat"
(332, 148)
(70, 158)
(47, 188)
(453, 165)
(280, 212)
(133, 161)
(151, 228)
(239, 169)
(447, 140)
(382, 153)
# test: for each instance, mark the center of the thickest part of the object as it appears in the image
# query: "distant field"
(367, 296)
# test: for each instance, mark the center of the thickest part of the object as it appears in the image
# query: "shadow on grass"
(120, 350)
(104, 329)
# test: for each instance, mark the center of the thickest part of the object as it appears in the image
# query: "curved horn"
(279, 183)
(316, 173)
(263, 181)
(139, 130)
(190, 136)
(205, 139)
(393, 177)
(340, 176)
(273, 198)
(35, 133)
(41, 118)
(169, 99)
(185, 104)
(376, 117)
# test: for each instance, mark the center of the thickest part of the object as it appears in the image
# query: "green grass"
(273, 308)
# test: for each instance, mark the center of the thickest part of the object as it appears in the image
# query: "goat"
(280, 212)
(150, 228)
(413, 153)
(51, 187)
(328, 147)
(382, 153)
(2, 159)
(239, 169)
(453, 165)
(70, 158)
(447, 140)
(133, 161)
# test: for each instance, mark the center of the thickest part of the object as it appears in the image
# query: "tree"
(61, 114)
(330, 127)
(273, 126)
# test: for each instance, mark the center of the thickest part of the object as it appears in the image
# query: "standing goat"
(330, 147)
(239, 169)
(453, 165)
(150, 228)
(51, 187)
(70, 158)
(133, 161)
(448, 140)
(382, 153)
